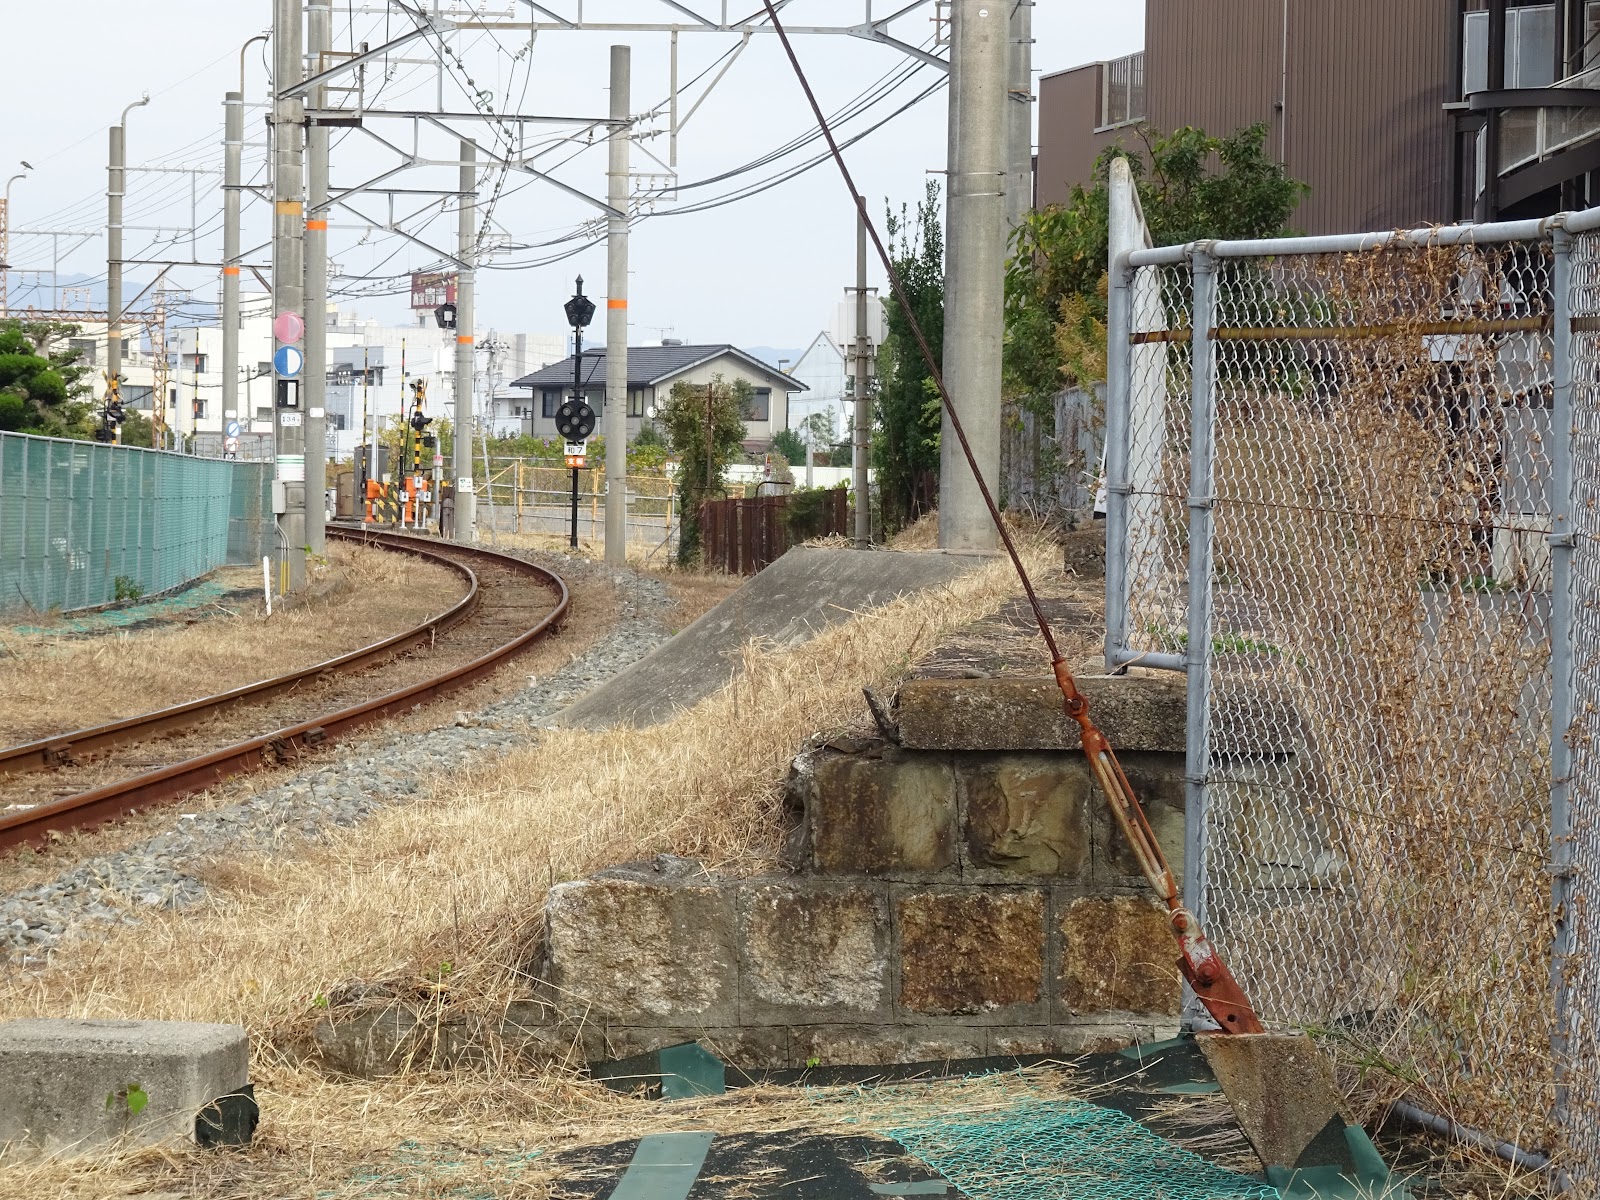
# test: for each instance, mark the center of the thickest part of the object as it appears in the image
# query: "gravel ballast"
(339, 791)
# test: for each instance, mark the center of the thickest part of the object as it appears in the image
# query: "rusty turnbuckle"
(1200, 964)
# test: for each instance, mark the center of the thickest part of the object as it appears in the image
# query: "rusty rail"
(283, 745)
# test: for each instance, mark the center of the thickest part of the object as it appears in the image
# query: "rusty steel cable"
(1200, 964)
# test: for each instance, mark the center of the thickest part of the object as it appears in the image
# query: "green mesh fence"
(81, 522)
(1068, 1150)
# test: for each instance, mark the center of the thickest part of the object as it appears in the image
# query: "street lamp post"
(5, 247)
(575, 421)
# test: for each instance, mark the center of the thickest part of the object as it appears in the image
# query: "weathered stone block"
(1029, 815)
(642, 953)
(1159, 785)
(1086, 1037)
(745, 1047)
(70, 1086)
(1118, 954)
(369, 1043)
(882, 1045)
(812, 951)
(971, 951)
(889, 816)
(1145, 715)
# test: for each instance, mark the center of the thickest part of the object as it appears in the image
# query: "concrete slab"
(804, 592)
(73, 1085)
(1280, 1088)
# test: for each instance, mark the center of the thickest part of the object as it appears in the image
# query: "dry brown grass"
(460, 877)
(56, 683)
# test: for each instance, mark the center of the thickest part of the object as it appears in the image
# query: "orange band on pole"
(317, 226)
(465, 339)
(616, 304)
(230, 270)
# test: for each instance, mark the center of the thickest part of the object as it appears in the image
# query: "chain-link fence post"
(1202, 446)
(1118, 390)
(1561, 658)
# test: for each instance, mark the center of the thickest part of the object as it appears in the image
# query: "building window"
(636, 402)
(1122, 91)
(552, 401)
(199, 409)
(84, 348)
(761, 405)
(1530, 48)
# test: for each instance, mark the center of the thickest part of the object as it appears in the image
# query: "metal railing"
(1354, 490)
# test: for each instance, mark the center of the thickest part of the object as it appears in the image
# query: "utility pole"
(863, 414)
(232, 180)
(463, 527)
(974, 315)
(116, 176)
(616, 417)
(288, 282)
(319, 37)
(1019, 116)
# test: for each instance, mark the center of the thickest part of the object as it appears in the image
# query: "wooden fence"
(743, 536)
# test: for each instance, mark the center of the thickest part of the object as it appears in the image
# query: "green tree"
(42, 380)
(704, 424)
(788, 444)
(905, 447)
(1191, 186)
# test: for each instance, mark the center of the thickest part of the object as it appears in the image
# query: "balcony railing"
(1122, 91)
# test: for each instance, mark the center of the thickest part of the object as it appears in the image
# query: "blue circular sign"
(233, 429)
(288, 361)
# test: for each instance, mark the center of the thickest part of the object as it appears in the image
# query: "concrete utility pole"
(1019, 116)
(974, 279)
(616, 415)
(464, 526)
(232, 180)
(319, 37)
(116, 177)
(288, 277)
(863, 421)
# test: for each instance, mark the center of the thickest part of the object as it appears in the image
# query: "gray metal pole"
(1197, 739)
(319, 38)
(1019, 116)
(288, 274)
(974, 269)
(863, 414)
(114, 193)
(232, 180)
(464, 528)
(616, 415)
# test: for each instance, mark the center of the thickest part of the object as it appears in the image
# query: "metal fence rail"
(1355, 494)
(81, 522)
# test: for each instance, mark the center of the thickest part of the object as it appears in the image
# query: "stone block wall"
(960, 891)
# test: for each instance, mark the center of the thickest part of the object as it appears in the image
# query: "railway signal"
(575, 419)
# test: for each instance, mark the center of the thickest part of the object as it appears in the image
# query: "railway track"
(89, 776)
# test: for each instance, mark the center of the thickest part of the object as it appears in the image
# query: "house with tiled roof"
(652, 372)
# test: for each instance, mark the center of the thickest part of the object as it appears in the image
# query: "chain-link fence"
(1355, 495)
(535, 496)
(83, 524)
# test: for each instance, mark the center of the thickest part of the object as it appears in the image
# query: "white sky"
(763, 271)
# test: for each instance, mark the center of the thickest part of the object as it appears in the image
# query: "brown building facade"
(1389, 109)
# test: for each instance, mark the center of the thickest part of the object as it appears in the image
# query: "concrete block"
(1086, 1037)
(1144, 715)
(1159, 785)
(812, 951)
(70, 1086)
(1028, 815)
(883, 1045)
(892, 816)
(369, 1043)
(1280, 1087)
(640, 953)
(972, 951)
(1118, 954)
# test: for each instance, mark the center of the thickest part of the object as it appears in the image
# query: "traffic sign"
(287, 362)
(232, 429)
(288, 327)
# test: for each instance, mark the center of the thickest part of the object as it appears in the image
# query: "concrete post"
(975, 254)
(616, 414)
(288, 275)
(319, 38)
(863, 411)
(1019, 116)
(466, 510)
(114, 192)
(232, 180)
